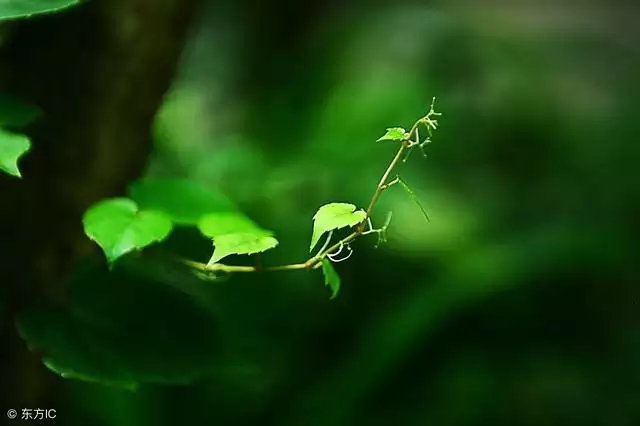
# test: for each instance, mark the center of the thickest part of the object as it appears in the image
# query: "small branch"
(381, 185)
(406, 146)
(291, 267)
(414, 198)
(221, 267)
(391, 183)
(406, 143)
(370, 225)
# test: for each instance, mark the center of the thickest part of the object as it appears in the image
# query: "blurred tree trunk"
(99, 72)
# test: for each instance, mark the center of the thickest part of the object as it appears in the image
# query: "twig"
(406, 145)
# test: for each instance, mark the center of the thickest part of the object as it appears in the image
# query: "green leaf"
(184, 201)
(334, 216)
(121, 329)
(10, 9)
(242, 243)
(119, 226)
(393, 134)
(15, 113)
(216, 224)
(414, 198)
(331, 277)
(12, 147)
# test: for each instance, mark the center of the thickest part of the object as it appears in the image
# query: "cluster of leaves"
(154, 206)
(122, 225)
(103, 336)
(76, 341)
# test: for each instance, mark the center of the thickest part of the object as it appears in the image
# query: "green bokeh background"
(516, 305)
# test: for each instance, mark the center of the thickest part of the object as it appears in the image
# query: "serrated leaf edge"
(268, 235)
(352, 207)
(387, 136)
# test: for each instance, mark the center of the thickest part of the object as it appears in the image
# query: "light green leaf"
(331, 277)
(242, 243)
(16, 113)
(12, 147)
(414, 198)
(393, 134)
(216, 224)
(119, 226)
(184, 201)
(334, 216)
(10, 9)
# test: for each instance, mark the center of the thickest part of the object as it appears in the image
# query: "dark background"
(516, 305)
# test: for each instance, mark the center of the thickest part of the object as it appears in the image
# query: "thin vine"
(408, 140)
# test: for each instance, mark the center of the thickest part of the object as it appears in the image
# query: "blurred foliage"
(14, 114)
(106, 337)
(516, 305)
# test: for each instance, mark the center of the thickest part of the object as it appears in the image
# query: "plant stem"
(220, 267)
(315, 260)
(382, 184)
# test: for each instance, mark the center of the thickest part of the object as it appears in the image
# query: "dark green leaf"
(185, 201)
(122, 329)
(119, 226)
(16, 113)
(331, 277)
(12, 147)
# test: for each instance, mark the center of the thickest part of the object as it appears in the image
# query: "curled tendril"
(333, 258)
(338, 250)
